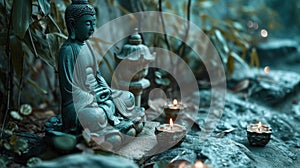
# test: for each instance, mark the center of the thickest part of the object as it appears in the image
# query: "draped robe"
(80, 80)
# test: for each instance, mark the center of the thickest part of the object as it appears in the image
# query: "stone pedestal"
(136, 87)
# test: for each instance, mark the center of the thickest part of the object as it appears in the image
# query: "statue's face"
(84, 27)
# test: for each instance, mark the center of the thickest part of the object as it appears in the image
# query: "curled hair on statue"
(77, 9)
(79, 1)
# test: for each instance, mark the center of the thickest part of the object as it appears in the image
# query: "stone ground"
(252, 96)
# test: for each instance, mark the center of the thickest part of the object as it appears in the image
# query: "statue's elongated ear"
(72, 28)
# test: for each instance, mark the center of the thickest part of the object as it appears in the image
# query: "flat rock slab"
(140, 145)
(276, 48)
(87, 160)
(268, 88)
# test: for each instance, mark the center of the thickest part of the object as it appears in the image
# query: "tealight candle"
(172, 109)
(258, 134)
(170, 133)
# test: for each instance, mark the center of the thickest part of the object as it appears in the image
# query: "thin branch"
(140, 6)
(55, 24)
(21, 83)
(163, 25)
(32, 43)
(181, 48)
(10, 71)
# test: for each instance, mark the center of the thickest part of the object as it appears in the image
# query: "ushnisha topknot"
(80, 2)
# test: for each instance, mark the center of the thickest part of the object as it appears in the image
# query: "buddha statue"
(87, 100)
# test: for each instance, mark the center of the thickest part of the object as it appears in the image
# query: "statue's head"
(80, 20)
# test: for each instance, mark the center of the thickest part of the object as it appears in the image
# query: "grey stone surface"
(276, 48)
(137, 149)
(86, 160)
(227, 153)
(268, 88)
(228, 146)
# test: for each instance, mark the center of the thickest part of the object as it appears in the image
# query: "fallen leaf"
(243, 84)
(221, 134)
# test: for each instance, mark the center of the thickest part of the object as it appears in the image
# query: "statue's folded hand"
(101, 95)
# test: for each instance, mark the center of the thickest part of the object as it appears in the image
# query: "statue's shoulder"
(66, 48)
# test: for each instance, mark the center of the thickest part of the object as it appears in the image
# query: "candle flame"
(198, 164)
(171, 123)
(259, 126)
(175, 102)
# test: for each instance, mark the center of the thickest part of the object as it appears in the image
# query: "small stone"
(53, 120)
(15, 115)
(65, 142)
(48, 124)
(25, 109)
(32, 161)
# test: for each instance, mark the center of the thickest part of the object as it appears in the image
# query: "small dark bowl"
(259, 138)
(172, 139)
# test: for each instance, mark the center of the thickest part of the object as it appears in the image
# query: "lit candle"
(172, 109)
(170, 133)
(259, 127)
(171, 127)
(258, 134)
(175, 105)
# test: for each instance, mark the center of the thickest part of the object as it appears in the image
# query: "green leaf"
(222, 40)
(163, 81)
(254, 60)
(21, 16)
(206, 4)
(45, 6)
(36, 86)
(20, 146)
(230, 65)
(3, 161)
(61, 35)
(17, 55)
(168, 5)
(238, 26)
(239, 59)
(111, 2)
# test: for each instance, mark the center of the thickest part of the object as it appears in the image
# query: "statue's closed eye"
(88, 23)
